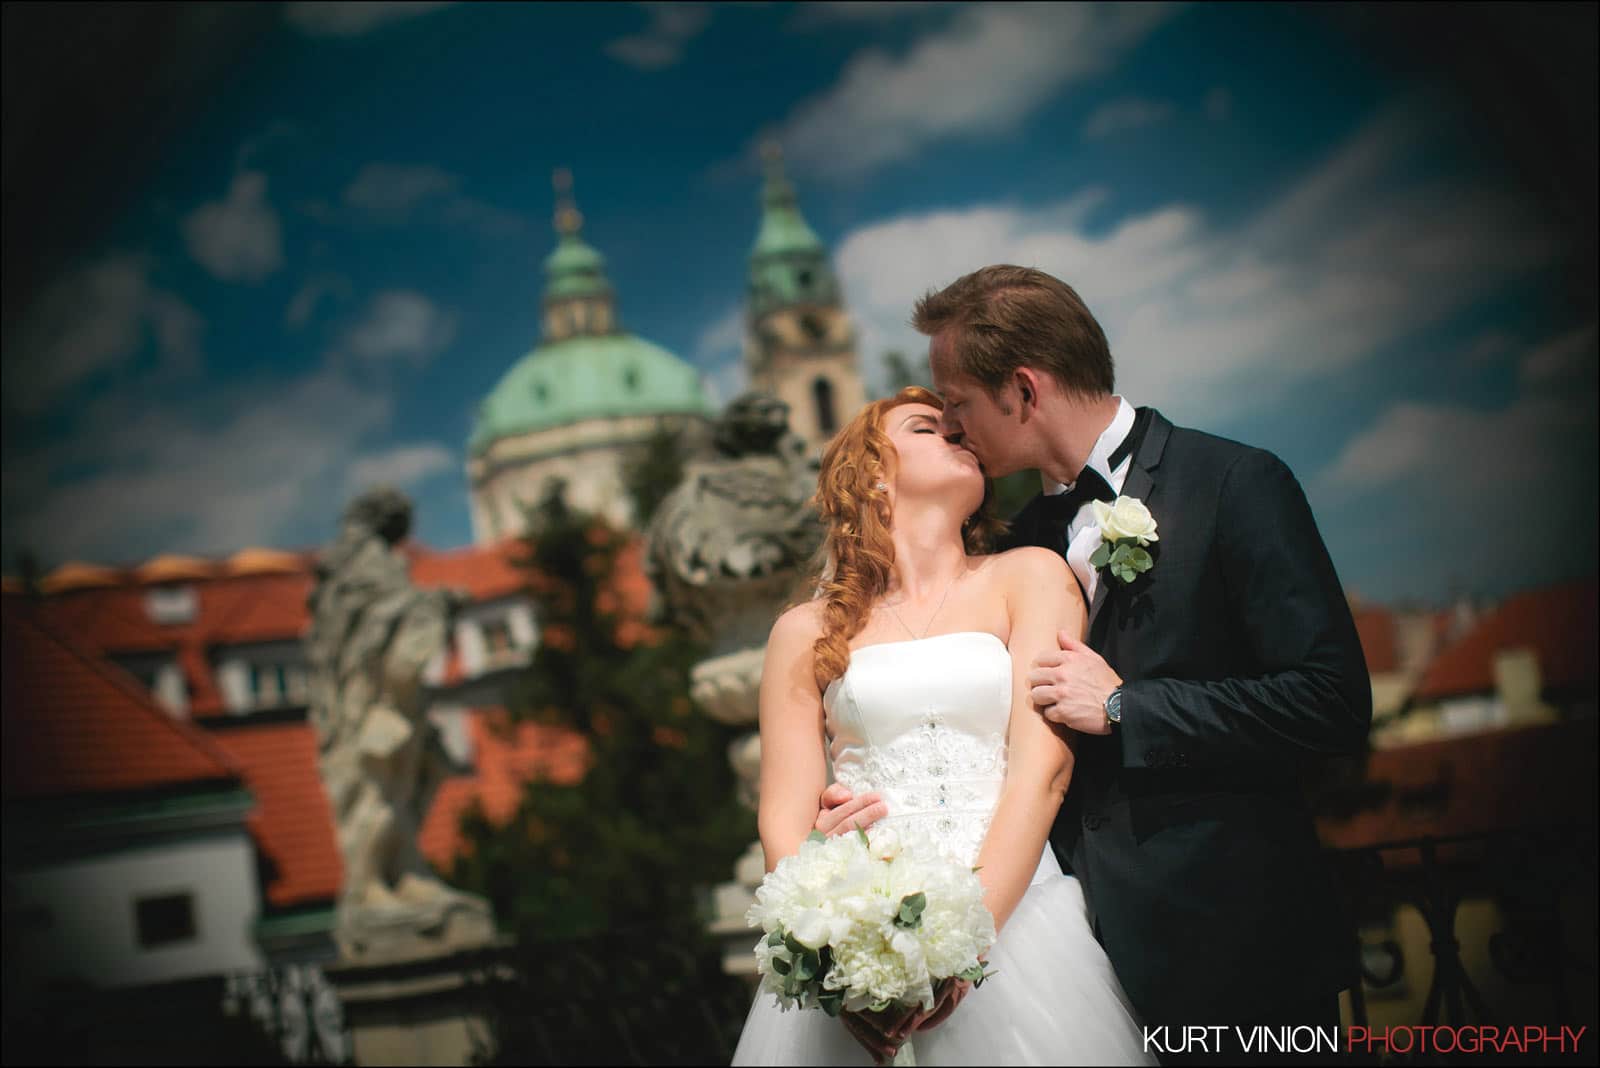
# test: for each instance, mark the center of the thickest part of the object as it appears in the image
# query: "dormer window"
(171, 605)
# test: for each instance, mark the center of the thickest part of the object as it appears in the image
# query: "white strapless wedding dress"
(924, 723)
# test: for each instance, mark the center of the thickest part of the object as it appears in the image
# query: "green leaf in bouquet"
(865, 841)
(782, 965)
(881, 1006)
(911, 907)
(1140, 559)
(775, 939)
(831, 1002)
(792, 944)
(805, 967)
(816, 836)
(1101, 555)
(975, 974)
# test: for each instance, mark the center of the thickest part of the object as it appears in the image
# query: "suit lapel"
(1140, 481)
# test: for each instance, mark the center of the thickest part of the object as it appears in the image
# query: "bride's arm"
(1042, 598)
(793, 746)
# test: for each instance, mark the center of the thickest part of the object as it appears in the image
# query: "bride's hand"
(882, 1034)
(945, 999)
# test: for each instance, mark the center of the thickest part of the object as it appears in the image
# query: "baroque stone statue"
(728, 544)
(727, 550)
(372, 635)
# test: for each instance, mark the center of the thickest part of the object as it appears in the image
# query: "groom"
(1209, 682)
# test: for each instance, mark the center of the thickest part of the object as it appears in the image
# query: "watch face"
(1114, 706)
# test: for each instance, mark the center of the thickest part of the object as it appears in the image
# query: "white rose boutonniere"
(1126, 528)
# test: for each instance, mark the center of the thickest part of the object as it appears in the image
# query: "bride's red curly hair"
(857, 552)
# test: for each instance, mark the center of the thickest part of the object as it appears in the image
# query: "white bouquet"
(865, 924)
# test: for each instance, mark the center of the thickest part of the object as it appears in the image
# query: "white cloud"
(727, 380)
(672, 27)
(237, 239)
(720, 348)
(403, 466)
(1523, 445)
(303, 305)
(722, 339)
(92, 322)
(822, 13)
(1561, 361)
(336, 19)
(394, 194)
(390, 192)
(175, 479)
(1127, 113)
(1453, 484)
(1351, 259)
(977, 76)
(146, 470)
(400, 325)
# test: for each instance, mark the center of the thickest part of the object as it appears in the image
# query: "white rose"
(1127, 518)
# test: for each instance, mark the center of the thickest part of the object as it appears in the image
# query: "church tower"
(799, 342)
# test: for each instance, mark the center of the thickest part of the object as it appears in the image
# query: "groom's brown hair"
(1004, 317)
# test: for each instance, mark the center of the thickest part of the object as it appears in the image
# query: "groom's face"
(972, 416)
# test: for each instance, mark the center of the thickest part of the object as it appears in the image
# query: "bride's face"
(926, 464)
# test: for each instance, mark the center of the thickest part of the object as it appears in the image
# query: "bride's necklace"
(914, 635)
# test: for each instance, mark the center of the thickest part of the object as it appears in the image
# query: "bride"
(907, 673)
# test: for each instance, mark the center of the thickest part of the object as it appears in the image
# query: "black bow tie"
(1090, 486)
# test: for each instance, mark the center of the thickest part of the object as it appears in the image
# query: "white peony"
(856, 921)
(1127, 517)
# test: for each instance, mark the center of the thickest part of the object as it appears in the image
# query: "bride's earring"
(881, 486)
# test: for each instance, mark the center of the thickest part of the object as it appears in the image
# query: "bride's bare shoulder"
(1027, 563)
(797, 626)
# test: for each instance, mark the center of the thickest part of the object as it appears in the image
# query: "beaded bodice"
(924, 722)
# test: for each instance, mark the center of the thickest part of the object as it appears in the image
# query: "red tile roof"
(484, 571)
(506, 756)
(258, 606)
(75, 724)
(1376, 628)
(292, 822)
(1471, 783)
(1558, 622)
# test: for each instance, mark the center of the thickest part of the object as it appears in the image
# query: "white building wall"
(82, 921)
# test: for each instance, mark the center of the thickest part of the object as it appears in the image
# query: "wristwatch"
(1114, 705)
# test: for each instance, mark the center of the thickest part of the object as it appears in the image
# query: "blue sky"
(1290, 240)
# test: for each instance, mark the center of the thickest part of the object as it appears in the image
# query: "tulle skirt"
(1052, 1000)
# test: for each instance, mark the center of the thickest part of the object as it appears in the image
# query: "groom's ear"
(1027, 383)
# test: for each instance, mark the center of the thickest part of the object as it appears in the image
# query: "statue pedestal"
(427, 1010)
(733, 899)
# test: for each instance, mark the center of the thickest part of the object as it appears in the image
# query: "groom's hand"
(1070, 686)
(841, 811)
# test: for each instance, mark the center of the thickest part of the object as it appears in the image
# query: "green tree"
(601, 880)
(654, 473)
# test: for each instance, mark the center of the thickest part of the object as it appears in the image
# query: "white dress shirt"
(1083, 536)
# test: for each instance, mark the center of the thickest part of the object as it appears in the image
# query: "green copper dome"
(588, 377)
(783, 229)
(575, 269)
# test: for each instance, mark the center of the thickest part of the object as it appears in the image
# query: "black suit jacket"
(1241, 666)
